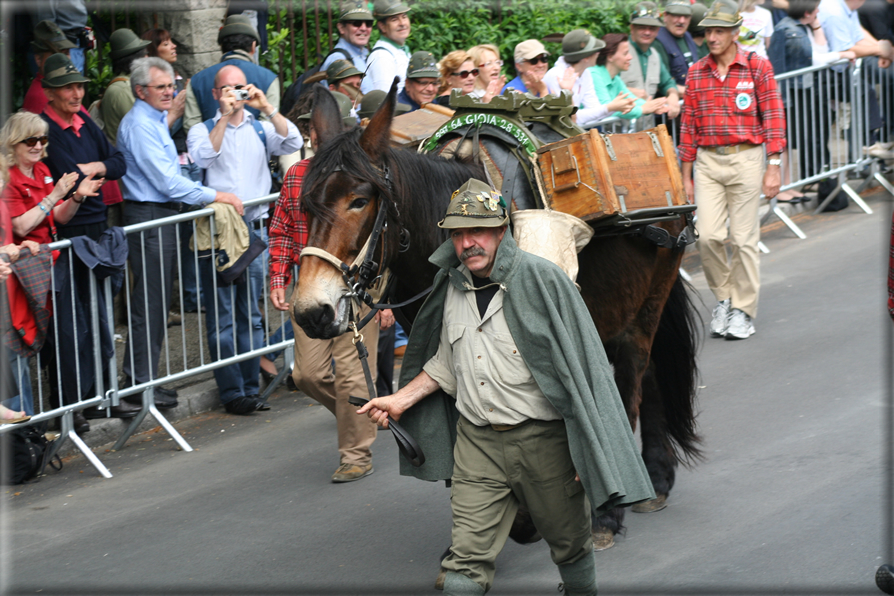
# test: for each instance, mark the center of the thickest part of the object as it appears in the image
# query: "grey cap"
(646, 14)
(383, 9)
(48, 37)
(679, 7)
(423, 65)
(723, 13)
(345, 105)
(698, 14)
(236, 24)
(59, 72)
(580, 43)
(475, 205)
(371, 102)
(125, 42)
(355, 10)
(341, 69)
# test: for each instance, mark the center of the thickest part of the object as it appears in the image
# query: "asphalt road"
(790, 498)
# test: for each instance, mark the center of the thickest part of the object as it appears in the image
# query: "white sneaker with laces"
(720, 319)
(740, 325)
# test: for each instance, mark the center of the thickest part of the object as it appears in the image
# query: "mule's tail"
(676, 372)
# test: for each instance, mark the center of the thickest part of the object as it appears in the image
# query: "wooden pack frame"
(595, 176)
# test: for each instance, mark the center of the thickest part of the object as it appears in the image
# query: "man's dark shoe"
(81, 425)
(243, 406)
(164, 398)
(122, 410)
(263, 405)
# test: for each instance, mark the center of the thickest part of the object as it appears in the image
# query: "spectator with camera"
(234, 153)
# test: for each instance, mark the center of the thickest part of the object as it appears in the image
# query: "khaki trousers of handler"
(729, 186)
(314, 375)
(496, 471)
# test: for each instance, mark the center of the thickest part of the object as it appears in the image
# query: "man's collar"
(402, 48)
(150, 111)
(238, 55)
(76, 121)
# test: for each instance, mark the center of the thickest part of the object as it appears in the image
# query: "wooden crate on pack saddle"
(624, 178)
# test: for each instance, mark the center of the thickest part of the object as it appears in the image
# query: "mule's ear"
(376, 139)
(326, 118)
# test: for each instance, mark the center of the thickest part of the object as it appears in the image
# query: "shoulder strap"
(260, 130)
(339, 51)
(209, 124)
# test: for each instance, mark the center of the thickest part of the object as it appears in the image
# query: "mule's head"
(341, 192)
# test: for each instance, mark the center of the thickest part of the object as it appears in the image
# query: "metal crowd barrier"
(830, 116)
(179, 357)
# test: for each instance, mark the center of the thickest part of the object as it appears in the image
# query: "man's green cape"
(560, 345)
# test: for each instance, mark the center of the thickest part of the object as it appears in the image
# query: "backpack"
(26, 451)
(290, 97)
(95, 109)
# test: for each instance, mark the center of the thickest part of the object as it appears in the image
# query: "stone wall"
(194, 25)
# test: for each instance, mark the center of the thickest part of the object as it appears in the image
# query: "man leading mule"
(515, 396)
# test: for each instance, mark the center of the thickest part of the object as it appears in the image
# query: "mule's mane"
(422, 183)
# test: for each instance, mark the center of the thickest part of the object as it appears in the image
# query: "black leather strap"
(407, 445)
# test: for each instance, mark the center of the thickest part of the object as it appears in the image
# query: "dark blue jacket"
(203, 82)
(677, 63)
(404, 97)
(66, 150)
(790, 49)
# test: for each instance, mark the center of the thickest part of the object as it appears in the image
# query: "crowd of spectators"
(158, 143)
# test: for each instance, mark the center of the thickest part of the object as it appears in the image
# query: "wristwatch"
(774, 162)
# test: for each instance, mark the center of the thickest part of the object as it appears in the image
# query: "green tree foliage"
(441, 26)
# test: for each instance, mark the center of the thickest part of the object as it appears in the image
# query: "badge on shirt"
(47, 179)
(743, 101)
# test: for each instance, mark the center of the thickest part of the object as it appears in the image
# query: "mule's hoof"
(651, 506)
(603, 539)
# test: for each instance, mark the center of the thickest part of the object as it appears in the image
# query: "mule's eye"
(359, 203)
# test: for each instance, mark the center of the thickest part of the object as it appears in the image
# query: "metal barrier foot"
(149, 408)
(850, 192)
(686, 277)
(884, 182)
(788, 222)
(763, 247)
(67, 432)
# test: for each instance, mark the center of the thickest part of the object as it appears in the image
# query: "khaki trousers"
(315, 375)
(493, 473)
(729, 186)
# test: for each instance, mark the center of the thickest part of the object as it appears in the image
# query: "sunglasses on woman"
(538, 59)
(32, 141)
(464, 74)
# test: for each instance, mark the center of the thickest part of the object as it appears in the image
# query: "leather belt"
(407, 445)
(172, 205)
(730, 149)
(501, 428)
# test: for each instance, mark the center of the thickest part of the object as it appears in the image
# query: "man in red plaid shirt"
(732, 108)
(314, 373)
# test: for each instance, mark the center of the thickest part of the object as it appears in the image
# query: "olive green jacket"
(560, 345)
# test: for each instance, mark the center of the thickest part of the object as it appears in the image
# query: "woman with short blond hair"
(489, 83)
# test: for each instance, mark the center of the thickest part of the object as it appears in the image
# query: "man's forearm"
(420, 387)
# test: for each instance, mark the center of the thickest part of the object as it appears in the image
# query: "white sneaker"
(740, 325)
(720, 319)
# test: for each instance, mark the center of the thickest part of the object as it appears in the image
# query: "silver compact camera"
(240, 94)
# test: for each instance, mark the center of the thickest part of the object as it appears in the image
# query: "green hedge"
(441, 26)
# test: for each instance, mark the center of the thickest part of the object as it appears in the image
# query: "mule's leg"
(658, 453)
(629, 354)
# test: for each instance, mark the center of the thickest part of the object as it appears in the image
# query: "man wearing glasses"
(354, 28)
(390, 57)
(531, 63)
(153, 189)
(238, 40)
(422, 81)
